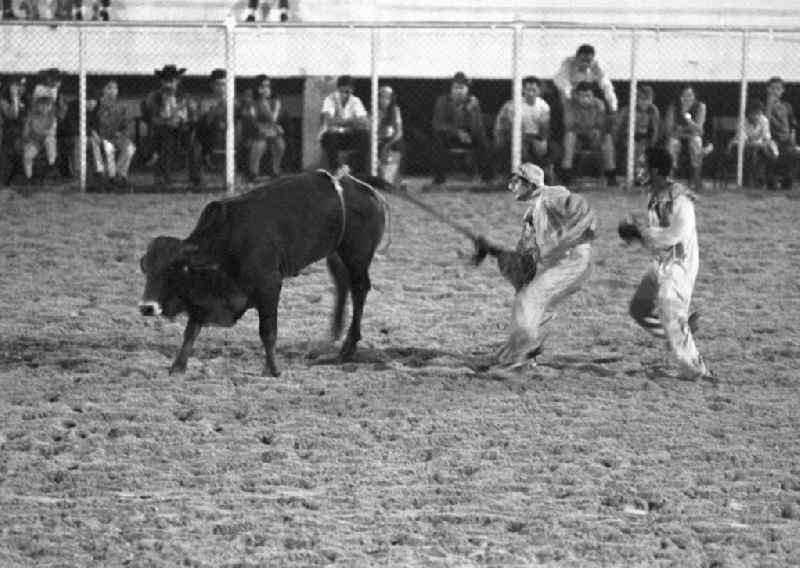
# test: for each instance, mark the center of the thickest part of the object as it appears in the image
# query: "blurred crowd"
(580, 125)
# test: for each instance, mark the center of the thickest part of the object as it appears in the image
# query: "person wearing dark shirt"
(783, 127)
(171, 117)
(458, 122)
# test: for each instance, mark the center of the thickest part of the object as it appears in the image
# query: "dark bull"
(243, 247)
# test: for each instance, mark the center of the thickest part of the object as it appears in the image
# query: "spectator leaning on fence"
(783, 127)
(111, 146)
(390, 134)
(646, 129)
(260, 117)
(171, 117)
(345, 125)
(587, 126)
(535, 127)
(12, 117)
(583, 67)
(458, 123)
(684, 126)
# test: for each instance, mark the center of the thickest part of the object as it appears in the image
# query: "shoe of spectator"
(439, 180)
(566, 176)
(197, 182)
(121, 184)
(611, 178)
(9, 15)
(250, 19)
(99, 182)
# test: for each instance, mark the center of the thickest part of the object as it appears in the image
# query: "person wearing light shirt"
(345, 125)
(535, 126)
(661, 303)
(584, 67)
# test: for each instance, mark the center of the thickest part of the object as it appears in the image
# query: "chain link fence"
(727, 67)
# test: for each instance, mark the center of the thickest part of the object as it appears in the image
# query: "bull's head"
(181, 278)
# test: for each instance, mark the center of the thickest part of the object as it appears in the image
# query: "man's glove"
(482, 249)
(629, 231)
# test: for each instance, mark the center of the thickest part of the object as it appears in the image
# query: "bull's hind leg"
(341, 277)
(359, 287)
(190, 334)
(267, 306)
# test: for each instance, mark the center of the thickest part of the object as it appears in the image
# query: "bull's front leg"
(190, 334)
(267, 306)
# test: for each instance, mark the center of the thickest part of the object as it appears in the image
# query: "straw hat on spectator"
(170, 72)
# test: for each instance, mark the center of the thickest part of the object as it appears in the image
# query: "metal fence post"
(373, 124)
(630, 162)
(742, 111)
(516, 96)
(230, 101)
(82, 107)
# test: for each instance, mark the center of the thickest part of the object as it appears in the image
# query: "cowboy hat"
(169, 72)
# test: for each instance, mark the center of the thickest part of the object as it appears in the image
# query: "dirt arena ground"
(404, 457)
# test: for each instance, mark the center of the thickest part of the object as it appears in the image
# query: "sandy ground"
(404, 457)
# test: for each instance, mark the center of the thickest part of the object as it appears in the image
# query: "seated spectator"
(535, 126)
(583, 67)
(111, 146)
(171, 118)
(345, 125)
(211, 126)
(587, 126)
(260, 115)
(684, 126)
(39, 134)
(760, 150)
(390, 135)
(645, 132)
(12, 118)
(458, 123)
(783, 126)
(8, 10)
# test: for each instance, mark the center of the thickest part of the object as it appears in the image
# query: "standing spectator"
(171, 117)
(583, 67)
(458, 122)
(12, 117)
(39, 134)
(344, 125)
(535, 126)
(111, 146)
(783, 127)
(266, 7)
(262, 131)
(587, 126)
(390, 135)
(760, 150)
(684, 126)
(212, 125)
(645, 130)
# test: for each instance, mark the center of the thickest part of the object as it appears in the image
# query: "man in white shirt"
(535, 126)
(661, 303)
(345, 126)
(584, 66)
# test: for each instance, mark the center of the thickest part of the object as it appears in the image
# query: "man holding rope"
(552, 261)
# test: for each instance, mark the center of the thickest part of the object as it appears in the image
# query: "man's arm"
(442, 120)
(655, 122)
(604, 81)
(681, 226)
(563, 79)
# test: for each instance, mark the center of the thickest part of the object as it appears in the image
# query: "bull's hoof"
(347, 352)
(177, 369)
(270, 371)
